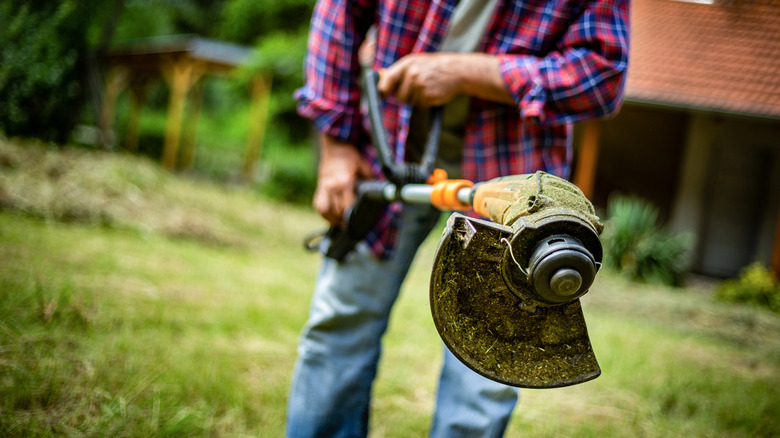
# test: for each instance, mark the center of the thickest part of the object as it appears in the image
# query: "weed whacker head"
(505, 299)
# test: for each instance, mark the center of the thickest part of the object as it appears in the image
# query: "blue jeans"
(340, 348)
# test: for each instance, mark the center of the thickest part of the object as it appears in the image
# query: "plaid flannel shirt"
(563, 61)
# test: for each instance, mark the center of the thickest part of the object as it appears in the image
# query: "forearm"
(480, 77)
(432, 79)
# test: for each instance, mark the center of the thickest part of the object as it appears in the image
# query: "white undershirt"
(467, 25)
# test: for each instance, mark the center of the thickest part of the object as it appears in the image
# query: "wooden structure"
(588, 157)
(181, 60)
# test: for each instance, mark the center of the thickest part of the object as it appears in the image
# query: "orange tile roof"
(720, 57)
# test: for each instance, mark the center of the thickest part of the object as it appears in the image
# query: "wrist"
(332, 146)
(479, 76)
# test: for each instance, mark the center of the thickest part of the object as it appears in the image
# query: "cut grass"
(177, 311)
(136, 322)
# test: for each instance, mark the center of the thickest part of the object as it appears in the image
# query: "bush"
(637, 246)
(755, 285)
(42, 47)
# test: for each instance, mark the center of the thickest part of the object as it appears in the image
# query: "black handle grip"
(359, 219)
(378, 133)
(399, 174)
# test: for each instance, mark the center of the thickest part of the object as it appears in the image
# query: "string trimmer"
(504, 292)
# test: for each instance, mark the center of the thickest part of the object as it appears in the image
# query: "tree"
(42, 49)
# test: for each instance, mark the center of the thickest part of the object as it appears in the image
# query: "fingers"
(364, 170)
(409, 91)
(331, 202)
(389, 78)
(323, 205)
(400, 80)
(333, 197)
(423, 79)
(341, 166)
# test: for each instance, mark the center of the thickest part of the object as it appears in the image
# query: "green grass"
(146, 334)
(137, 303)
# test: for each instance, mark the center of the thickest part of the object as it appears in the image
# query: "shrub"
(290, 183)
(42, 47)
(755, 285)
(637, 246)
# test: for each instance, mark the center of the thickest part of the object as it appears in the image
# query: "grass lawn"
(137, 303)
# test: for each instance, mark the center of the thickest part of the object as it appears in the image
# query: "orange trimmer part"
(445, 194)
(436, 176)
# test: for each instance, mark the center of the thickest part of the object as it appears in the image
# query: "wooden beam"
(587, 158)
(178, 75)
(116, 80)
(258, 116)
(191, 126)
(775, 263)
(138, 87)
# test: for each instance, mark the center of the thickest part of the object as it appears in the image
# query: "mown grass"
(137, 303)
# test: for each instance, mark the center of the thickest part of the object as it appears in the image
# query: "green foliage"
(277, 31)
(147, 18)
(250, 21)
(42, 48)
(280, 55)
(755, 285)
(292, 180)
(47, 50)
(637, 246)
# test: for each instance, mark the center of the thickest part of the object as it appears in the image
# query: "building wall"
(714, 176)
(729, 191)
(640, 153)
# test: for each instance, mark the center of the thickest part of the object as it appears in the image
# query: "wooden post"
(138, 87)
(178, 74)
(191, 126)
(258, 115)
(587, 159)
(775, 263)
(115, 82)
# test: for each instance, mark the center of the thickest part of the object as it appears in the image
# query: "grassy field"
(137, 303)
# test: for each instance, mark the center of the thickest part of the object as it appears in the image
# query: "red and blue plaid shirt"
(562, 60)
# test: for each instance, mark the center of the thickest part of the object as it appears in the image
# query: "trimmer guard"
(516, 341)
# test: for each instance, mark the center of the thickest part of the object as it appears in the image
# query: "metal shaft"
(421, 194)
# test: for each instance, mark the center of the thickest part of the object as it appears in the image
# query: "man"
(513, 76)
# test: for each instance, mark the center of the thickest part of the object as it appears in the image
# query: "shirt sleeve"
(584, 77)
(330, 96)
